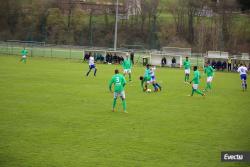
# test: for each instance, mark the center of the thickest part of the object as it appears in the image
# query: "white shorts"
(119, 94)
(209, 79)
(24, 56)
(187, 71)
(195, 86)
(126, 71)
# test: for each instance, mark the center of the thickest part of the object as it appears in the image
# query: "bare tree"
(178, 11)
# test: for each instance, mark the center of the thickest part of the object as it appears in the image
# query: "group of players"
(119, 81)
(209, 71)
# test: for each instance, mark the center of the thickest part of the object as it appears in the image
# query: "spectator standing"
(173, 62)
(115, 58)
(107, 57)
(163, 61)
(86, 56)
(235, 67)
(224, 65)
(120, 59)
(132, 55)
(229, 64)
(218, 65)
(214, 64)
(110, 58)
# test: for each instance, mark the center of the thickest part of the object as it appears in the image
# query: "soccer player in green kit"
(196, 81)
(24, 53)
(210, 73)
(145, 80)
(119, 83)
(186, 65)
(127, 66)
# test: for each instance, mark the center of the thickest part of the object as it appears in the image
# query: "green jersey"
(197, 77)
(127, 64)
(119, 82)
(24, 52)
(147, 74)
(186, 64)
(209, 71)
(145, 79)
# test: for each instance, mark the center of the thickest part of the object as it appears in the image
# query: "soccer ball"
(148, 90)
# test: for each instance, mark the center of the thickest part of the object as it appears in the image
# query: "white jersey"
(152, 71)
(91, 61)
(242, 70)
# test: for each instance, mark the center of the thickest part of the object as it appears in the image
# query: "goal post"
(197, 59)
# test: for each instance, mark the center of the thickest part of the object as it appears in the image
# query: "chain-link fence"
(40, 49)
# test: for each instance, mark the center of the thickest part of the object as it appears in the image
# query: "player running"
(186, 65)
(243, 76)
(153, 79)
(119, 83)
(91, 65)
(210, 73)
(196, 81)
(127, 66)
(24, 53)
(145, 80)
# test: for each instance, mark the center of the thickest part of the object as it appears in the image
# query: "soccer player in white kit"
(153, 79)
(243, 76)
(91, 65)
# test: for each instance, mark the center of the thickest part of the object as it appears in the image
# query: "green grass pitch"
(51, 115)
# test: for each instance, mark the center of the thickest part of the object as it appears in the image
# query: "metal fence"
(39, 49)
(36, 49)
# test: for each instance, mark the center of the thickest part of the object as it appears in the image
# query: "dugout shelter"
(170, 53)
(244, 58)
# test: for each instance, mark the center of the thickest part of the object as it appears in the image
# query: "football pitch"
(52, 115)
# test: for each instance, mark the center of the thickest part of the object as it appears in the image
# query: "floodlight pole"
(116, 26)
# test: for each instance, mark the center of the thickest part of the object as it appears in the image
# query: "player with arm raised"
(127, 66)
(91, 65)
(209, 71)
(196, 81)
(243, 76)
(119, 83)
